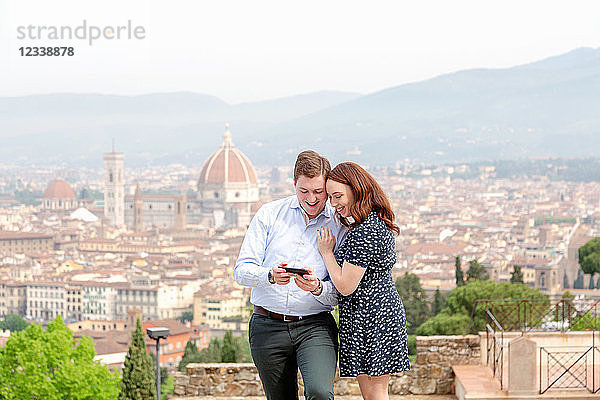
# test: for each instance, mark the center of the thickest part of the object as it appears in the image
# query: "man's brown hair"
(311, 164)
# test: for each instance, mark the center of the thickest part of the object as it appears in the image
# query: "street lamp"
(157, 334)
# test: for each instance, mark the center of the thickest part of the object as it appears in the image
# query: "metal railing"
(560, 368)
(568, 369)
(495, 347)
(527, 315)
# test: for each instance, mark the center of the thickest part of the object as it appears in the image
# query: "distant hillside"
(169, 127)
(546, 108)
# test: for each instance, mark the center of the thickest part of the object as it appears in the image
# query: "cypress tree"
(138, 381)
(460, 279)
(212, 354)
(414, 299)
(437, 305)
(229, 349)
(190, 355)
(578, 284)
(566, 281)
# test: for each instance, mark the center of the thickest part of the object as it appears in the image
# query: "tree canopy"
(14, 323)
(455, 316)
(589, 258)
(186, 316)
(212, 353)
(49, 364)
(414, 299)
(438, 302)
(190, 355)
(476, 272)
(517, 275)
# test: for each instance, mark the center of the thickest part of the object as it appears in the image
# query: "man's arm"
(329, 295)
(249, 269)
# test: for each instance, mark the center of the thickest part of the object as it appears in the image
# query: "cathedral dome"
(227, 165)
(59, 189)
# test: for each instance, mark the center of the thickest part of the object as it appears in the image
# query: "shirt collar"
(327, 211)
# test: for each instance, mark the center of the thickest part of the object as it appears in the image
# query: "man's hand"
(308, 282)
(280, 276)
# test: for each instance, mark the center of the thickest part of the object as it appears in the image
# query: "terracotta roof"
(59, 189)
(175, 327)
(4, 235)
(227, 165)
(120, 337)
(433, 248)
(109, 346)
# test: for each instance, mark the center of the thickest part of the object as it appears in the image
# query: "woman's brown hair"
(368, 195)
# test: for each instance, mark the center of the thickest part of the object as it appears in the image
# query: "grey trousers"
(279, 348)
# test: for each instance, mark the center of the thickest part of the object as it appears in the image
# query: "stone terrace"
(430, 375)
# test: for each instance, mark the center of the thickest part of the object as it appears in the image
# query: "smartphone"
(292, 270)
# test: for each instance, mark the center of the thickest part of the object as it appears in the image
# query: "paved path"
(411, 397)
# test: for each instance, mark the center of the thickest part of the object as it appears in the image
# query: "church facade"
(227, 193)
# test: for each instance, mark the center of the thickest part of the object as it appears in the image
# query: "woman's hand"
(326, 241)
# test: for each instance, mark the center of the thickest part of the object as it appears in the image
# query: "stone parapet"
(430, 374)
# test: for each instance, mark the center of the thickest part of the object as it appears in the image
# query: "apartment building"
(25, 243)
(45, 300)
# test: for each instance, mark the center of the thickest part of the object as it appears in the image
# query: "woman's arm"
(345, 279)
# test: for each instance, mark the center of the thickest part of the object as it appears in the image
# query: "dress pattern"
(372, 319)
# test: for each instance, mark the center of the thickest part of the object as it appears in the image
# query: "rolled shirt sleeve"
(249, 269)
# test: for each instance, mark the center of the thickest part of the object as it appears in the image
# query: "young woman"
(372, 320)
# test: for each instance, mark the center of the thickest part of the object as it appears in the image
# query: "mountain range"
(547, 108)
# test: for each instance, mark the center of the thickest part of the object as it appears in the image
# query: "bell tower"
(114, 188)
(180, 212)
(138, 210)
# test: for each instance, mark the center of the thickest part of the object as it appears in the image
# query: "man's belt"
(281, 317)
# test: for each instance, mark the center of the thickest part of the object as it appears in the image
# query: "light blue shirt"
(282, 232)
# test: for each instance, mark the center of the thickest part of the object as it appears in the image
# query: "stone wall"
(430, 374)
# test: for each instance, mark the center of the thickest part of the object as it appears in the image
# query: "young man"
(292, 326)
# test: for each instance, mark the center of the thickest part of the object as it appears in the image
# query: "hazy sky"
(249, 50)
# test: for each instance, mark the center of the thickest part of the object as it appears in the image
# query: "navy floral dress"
(372, 319)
